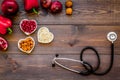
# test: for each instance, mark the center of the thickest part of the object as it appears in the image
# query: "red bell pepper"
(5, 25)
(31, 5)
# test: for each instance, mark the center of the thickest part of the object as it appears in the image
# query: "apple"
(9, 7)
(56, 7)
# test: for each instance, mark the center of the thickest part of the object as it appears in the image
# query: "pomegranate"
(46, 3)
(28, 26)
(56, 7)
(3, 44)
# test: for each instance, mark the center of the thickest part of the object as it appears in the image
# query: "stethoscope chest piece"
(112, 36)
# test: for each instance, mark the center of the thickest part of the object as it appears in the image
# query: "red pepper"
(31, 5)
(5, 25)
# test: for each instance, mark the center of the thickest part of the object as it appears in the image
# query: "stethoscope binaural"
(111, 36)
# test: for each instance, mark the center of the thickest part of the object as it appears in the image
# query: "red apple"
(9, 7)
(56, 7)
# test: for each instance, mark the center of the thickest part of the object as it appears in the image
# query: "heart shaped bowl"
(44, 35)
(28, 26)
(26, 45)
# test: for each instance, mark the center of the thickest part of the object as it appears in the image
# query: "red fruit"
(56, 7)
(45, 3)
(9, 7)
(28, 26)
(3, 44)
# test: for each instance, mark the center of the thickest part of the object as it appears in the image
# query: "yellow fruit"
(69, 11)
(68, 3)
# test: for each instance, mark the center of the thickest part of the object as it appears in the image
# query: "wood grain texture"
(88, 26)
(69, 39)
(85, 12)
(38, 67)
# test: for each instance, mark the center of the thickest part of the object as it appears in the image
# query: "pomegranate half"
(3, 44)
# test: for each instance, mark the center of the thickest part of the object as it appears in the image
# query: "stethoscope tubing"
(97, 55)
(93, 71)
(112, 36)
(88, 67)
(111, 62)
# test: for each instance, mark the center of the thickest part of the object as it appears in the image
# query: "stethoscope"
(111, 36)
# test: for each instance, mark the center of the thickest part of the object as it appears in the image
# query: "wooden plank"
(88, 26)
(69, 39)
(85, 12)
(38, 67)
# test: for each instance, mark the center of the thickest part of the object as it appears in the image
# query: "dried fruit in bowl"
(26, 45)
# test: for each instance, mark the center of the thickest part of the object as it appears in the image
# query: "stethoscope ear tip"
(53, 64)
(112, 36)
(56, 55)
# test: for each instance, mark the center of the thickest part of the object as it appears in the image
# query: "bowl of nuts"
(26, 45)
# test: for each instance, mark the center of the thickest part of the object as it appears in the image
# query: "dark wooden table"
(88, 26)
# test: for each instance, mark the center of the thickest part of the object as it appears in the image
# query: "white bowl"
(23, 40)
(27, 33)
